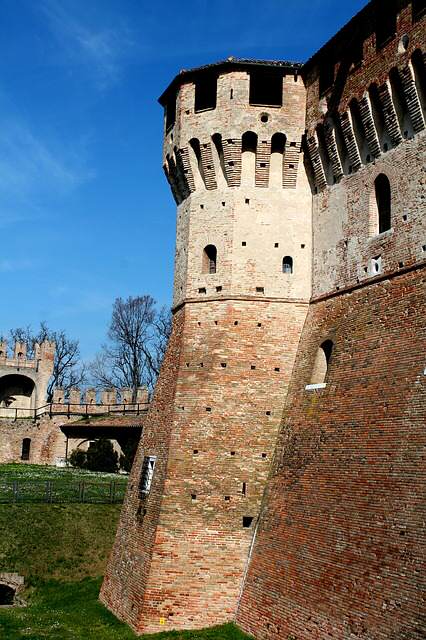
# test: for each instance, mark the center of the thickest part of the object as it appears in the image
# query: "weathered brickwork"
(47, 443)
(296, 362)
(215, 433)
(340, 550)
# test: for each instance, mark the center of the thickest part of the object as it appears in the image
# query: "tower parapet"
(24, 380)
(232, 157)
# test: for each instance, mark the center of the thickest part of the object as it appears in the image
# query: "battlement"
(119, 399)
(231, 124)
(44, 354)
(81, 403)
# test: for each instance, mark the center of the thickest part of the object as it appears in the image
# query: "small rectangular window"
(170, 110)
(205, 92)
(147, 474)
(419, 8)
(266, 88)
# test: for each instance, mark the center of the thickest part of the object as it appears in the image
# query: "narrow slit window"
(26, 447)
(210, 259)
(287, 265)
(147, 474)
(382, 191)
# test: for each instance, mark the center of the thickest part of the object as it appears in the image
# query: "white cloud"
(27, 163)
(102, 48)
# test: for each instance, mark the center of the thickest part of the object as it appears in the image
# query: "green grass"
(62, 551)
(44, 472)
(67, 542)
(72, 612)
(37, 483)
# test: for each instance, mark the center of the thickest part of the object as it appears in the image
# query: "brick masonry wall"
(340, 550)
(47, 440)
(213, 424)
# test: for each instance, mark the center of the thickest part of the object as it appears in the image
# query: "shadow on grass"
(71, 611)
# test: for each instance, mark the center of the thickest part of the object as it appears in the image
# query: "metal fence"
(24, 491)
(71, 410)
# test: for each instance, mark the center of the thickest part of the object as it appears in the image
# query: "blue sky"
(85, 212)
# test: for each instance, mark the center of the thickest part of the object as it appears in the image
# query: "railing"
(68, 409)
(24, 491)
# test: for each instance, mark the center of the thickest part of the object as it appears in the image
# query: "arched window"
(382, 192)
(288, 264)
(209, 259)
(322, 361)
(26, 446)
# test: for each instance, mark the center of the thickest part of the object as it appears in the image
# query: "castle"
(280, 478)
(37, 431)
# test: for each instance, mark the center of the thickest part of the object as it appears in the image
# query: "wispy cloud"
(27, 162)
(103, 48)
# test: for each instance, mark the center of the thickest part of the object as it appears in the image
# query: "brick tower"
(232, 156)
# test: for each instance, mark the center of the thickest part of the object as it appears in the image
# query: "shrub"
(78, 459)
(102, 457)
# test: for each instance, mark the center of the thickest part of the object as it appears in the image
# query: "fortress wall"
(343, 243)
(47, 440)
(214, 435)
(369, 119)
(340, 550)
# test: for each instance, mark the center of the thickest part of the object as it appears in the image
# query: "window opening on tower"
(326, 76)
(205, 93)
(385, 25)
(288, 264)
(322, 362)
(170, 113)
(210, 259)
(382, 204)
(266, 88)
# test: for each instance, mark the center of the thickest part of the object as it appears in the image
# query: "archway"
(7, 595)
(16, 392)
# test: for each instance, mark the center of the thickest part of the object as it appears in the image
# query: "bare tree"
(137, 340)
(68, 371)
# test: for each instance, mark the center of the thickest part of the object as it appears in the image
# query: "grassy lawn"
(39, 483)
(62, 550)
(72, 612)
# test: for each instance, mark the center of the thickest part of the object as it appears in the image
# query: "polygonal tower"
(232, 156)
